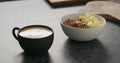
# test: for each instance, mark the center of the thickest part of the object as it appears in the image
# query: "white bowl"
(81, 34)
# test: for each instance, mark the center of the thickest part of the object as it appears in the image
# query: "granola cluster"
(77, 23)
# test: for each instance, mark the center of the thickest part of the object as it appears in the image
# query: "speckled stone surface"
(104, 49)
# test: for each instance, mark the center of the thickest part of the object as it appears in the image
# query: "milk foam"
(36, 32)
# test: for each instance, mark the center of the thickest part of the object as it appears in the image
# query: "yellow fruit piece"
(90, 20)
(95, 24)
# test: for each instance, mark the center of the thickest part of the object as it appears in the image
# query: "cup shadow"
(85, 52)
(35, 59)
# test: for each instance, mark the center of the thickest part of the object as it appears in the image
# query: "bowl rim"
(104, 21)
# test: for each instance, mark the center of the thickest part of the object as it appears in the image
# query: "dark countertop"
(105, 49)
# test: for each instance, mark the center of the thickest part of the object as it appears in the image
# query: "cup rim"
(104, 21)
(35, 26)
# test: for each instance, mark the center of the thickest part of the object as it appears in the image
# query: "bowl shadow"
(85, 52)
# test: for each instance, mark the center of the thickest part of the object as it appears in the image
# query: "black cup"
(34, 45)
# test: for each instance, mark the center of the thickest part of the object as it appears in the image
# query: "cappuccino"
(35, 32)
